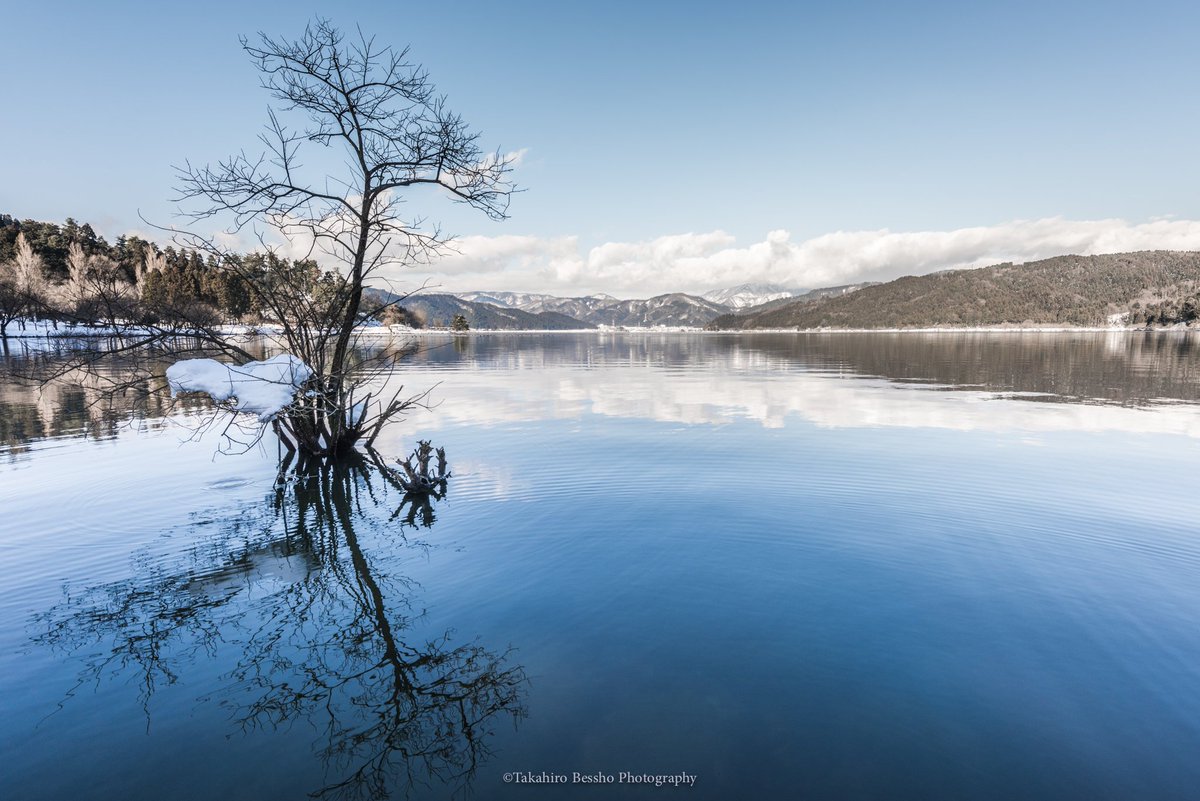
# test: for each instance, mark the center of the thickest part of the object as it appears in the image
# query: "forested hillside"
(72, 264)
(1159, 287)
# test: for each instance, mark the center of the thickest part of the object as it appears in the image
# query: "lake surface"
(945, 566)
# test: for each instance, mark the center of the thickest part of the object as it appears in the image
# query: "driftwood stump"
(417, 477)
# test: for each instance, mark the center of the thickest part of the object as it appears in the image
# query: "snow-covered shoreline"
(42, 330)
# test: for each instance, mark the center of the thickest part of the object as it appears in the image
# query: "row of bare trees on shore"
(27, 295)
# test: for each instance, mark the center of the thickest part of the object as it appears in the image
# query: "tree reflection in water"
(318, 631)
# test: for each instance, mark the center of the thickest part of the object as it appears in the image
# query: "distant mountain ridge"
(738, 318)
(439, 310)
(540, 311)
(672, 309)
(1064, 290)
(1153, 287)
(745, 296)
(581, 308)
(525, 300)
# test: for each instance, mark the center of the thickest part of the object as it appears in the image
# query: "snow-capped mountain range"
(485, 309)
(581, 308)
(672, 309)
(744, 296)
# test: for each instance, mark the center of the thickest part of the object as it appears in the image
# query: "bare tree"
(12, 300)
(22, 285)
(30, 272)
(382, 113)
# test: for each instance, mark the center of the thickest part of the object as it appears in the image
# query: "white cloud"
(771, 398)
(698, 262)
(493, 254)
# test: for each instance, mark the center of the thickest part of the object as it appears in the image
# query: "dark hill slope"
(1067, 290)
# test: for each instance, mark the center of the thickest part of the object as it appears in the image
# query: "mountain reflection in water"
(1086, 381)
(1105, 378)
(310, 630)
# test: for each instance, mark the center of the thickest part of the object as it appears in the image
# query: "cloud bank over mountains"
(699, 262)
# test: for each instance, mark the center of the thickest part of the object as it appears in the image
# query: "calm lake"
(943, 566)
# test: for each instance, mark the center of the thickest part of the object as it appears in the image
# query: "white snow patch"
(263, 388)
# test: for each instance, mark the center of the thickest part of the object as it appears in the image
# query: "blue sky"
(666, 141)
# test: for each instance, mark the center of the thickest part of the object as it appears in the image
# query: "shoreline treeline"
(68, 273)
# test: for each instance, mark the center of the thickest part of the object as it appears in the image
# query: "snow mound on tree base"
(262, 388)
